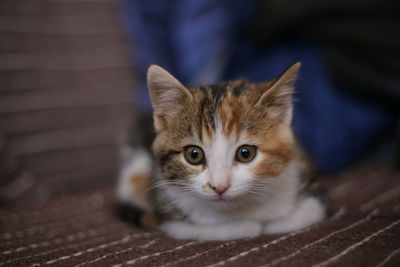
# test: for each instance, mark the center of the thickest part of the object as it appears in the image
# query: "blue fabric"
(189, 38)
(204, 41)
(335, 128)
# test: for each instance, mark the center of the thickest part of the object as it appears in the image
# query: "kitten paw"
(307, 212)
(228, 231)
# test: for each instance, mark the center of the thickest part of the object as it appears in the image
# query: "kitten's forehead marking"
(220, 106)
(220, 132)
(229, 114)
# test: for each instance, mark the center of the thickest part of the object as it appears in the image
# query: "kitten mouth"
(221, 199)
(225, 198)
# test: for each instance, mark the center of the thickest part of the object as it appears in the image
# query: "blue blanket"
(206, 41)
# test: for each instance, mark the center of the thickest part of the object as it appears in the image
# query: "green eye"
(246, 153)
(194, 155)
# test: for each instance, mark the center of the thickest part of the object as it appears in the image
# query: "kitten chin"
(224, 161)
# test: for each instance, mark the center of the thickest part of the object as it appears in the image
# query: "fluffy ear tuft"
(279, 94)
(166, 94)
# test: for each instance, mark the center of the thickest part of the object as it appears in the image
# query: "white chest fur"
(281, 211)
(278, 202)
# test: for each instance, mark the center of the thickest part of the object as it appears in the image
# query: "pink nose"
(220, 190)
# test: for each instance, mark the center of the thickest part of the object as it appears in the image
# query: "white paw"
(242, 230)
(174, 229)
(228, 231)
(306, 213)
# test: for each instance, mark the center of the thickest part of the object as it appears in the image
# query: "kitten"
(225, 163)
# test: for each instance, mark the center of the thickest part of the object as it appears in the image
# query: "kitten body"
(224, 162)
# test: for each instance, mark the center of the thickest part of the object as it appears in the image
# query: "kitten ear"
(279, 94)
(166, 94)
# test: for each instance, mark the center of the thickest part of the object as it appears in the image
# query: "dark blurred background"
(72, 77)
(66, 88)
(348, 92)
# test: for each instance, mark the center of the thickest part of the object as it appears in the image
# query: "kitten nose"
(220, 190)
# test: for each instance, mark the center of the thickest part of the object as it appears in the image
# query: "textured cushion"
(82, 229)
(65, 94)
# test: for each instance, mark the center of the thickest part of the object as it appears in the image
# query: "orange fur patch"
(207, 131)
(140, 183)
(229, 113)
(278, 149)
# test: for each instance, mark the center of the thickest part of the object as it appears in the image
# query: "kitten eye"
(194, 155)
(246, 153)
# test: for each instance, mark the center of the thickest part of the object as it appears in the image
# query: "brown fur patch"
(140, 183)
(207, 131)
(230, 115)
(278, 149)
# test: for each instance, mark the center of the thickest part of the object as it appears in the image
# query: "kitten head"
(221, 142)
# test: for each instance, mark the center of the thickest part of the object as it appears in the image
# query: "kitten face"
(222, 142)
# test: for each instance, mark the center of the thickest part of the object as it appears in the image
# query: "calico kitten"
(225, 163)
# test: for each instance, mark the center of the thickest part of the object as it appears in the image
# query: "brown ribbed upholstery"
(66, 89)
(82, 229)
(65, 94)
